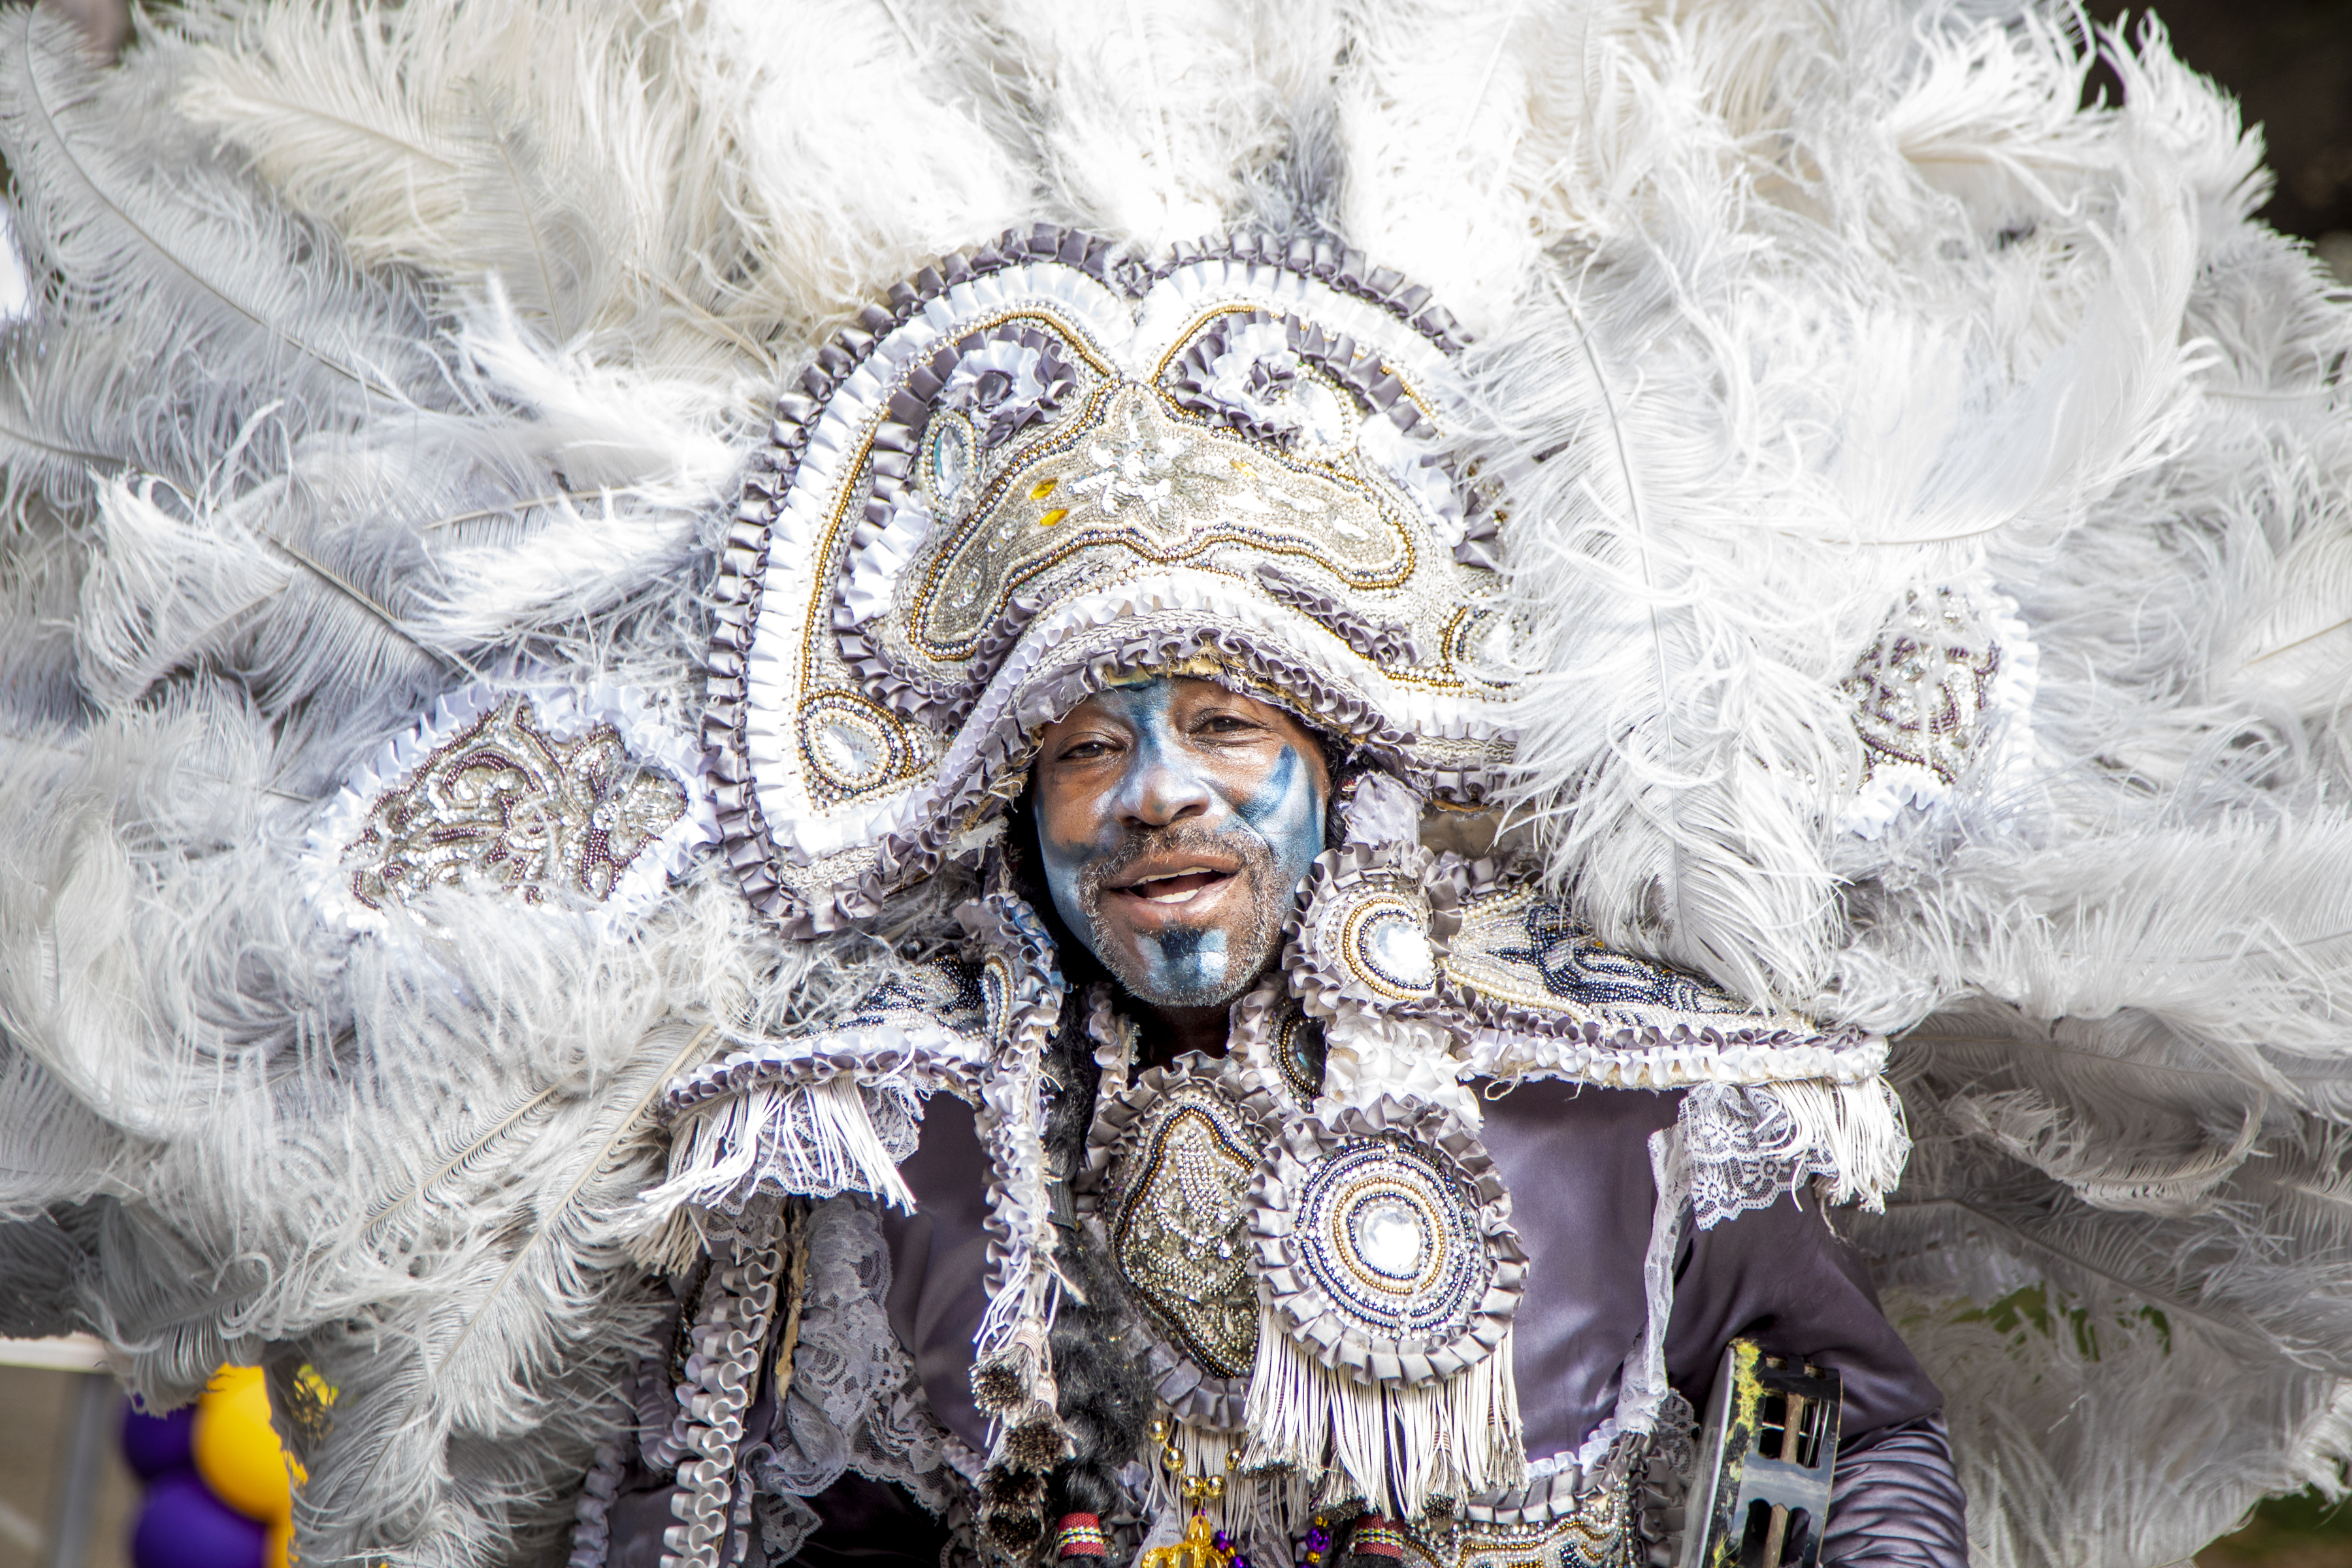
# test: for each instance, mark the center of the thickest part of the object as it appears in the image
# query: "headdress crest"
(1043, 464)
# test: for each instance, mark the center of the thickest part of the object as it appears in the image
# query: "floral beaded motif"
(505, 800)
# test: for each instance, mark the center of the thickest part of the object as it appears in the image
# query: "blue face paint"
(1174, 795)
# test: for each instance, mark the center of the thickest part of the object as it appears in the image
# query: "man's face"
(1176, 818)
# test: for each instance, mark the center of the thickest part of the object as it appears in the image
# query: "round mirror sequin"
(1384, 1242)
(1387, 945)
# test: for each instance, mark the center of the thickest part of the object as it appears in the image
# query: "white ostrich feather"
(375, 346)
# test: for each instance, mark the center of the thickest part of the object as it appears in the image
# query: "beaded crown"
(1044, 466)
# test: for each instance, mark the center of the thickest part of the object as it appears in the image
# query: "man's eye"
(1224, 724)
(1084, 751)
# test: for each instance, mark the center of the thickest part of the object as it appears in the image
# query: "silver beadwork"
(1383, 1236)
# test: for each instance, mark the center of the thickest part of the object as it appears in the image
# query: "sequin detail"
(1599, 1533)
(1391, 1241)
(1922, 691)
(507, 802)
(1178, 1230)
(1511, 938)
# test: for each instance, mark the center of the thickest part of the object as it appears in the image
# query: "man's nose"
(1159, 791)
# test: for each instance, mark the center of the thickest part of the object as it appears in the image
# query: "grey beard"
(1249, 954)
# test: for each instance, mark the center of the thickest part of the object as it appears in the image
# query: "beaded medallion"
(1386, 1236)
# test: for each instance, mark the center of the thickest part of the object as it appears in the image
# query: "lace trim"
(1744, 1151)
(851, 1401)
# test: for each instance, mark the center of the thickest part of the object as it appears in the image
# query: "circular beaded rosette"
(1383, 1236)
(1367, 936)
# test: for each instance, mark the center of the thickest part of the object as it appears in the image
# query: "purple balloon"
(154, 1444)
(184, 1526)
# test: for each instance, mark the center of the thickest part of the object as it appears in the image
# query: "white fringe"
(813, 1138)
(1857, 1128)
(1256, 1508)
(1398, 1444)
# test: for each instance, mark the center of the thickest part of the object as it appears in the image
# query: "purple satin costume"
(1578, 1163)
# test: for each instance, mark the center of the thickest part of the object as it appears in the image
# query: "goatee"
(1184, 977)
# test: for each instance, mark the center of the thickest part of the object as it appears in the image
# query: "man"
(1174, 818)
(1276, 1163)
(704, 1137)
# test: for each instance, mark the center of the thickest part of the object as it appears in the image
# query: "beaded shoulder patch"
(546, 795)
(1533, 990)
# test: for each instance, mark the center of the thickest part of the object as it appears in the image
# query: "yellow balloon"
(281, 1545)
(236, 1450)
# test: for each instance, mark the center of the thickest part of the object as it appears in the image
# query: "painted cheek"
(1069, 839)
(1066, 860)
(1286, 811)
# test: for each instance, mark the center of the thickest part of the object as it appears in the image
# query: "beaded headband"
(1044, 468)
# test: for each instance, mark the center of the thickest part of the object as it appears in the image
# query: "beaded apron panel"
(1177, 1229)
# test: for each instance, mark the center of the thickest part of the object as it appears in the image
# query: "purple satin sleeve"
(1895, 1502)
(1582, 1199)
(938, 1263)
(1781, 1276)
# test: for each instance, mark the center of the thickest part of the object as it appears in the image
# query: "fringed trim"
(729, 1343)
(1859, 1131)
(811, 1140)
(1013, 1372)
(1748, 1145)
(1450, 1437)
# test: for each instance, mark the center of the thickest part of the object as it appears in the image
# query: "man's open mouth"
(1177, 886)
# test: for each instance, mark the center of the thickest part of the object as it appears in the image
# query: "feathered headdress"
(1918, 595)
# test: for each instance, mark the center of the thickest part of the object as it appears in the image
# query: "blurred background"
(2289, 62)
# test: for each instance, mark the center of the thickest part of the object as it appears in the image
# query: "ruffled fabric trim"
(1119, 1109)
(832, 1112)
(922, 1055)
(728, 1350)
(1013, 1379)
(1509, 1023)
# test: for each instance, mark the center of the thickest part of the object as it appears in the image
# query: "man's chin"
(1181, 966)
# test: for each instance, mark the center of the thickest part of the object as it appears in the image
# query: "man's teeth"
(1175, 895)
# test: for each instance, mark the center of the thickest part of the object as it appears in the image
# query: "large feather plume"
(378, 346)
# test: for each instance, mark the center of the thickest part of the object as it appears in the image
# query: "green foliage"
(2032, 1307)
